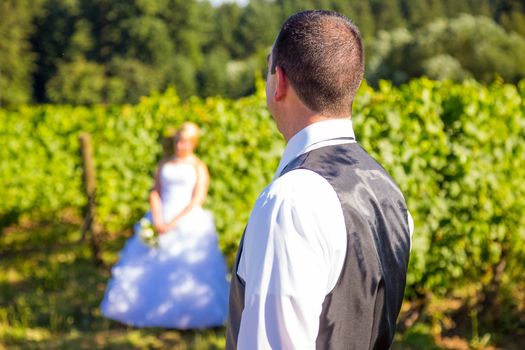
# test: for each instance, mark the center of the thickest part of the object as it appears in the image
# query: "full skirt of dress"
(181, 283)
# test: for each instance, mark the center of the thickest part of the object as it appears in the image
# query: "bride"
(180, 281)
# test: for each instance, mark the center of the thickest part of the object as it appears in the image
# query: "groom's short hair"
(322, 55)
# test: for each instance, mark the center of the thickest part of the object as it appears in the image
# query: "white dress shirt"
(294, 249)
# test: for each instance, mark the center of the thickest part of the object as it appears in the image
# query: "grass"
(50, 291)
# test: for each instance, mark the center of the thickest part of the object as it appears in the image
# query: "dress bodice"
(177, 181)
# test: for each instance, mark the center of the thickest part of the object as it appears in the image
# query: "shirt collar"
(313, 136)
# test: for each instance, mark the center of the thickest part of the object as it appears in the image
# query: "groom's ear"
(282, 84)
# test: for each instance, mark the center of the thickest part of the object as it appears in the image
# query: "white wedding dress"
(179, 284)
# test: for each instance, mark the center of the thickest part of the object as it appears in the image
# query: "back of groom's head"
(321, 53)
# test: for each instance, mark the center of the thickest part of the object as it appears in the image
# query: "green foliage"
(50, 293)
(387, 14)
(126, 149)
(227, 17)
(109, 51)
(453, 49)
(213, 76)
(258, 26)
(16, 58)
(510, 14)
(77, 82)
(456, 151)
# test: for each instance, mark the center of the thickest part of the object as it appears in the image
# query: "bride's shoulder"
(200, 166)
(198, 163)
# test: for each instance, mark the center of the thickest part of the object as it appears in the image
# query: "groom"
(322, 263)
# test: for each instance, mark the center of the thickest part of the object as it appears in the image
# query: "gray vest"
(361, 311)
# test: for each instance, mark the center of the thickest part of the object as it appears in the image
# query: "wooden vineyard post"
(88, 175)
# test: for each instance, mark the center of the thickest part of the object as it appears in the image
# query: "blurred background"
(108, 51)
(443, 108)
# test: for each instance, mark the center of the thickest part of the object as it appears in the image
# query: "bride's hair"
(170, 136)
(191, 129)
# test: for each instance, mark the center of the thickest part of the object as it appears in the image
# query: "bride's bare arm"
(201, 187)
(200, 191)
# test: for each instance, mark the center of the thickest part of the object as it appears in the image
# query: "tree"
(51, 41)
(213, 79)
(466, 46)
(361, 13)
(387, 14)
(144, 45)
(182, 74)
(78, 82)
(190, 26)
(258, 26)
(131, 80)
(480, 45)
(511, 15)
(226, 21)
(420, 12)
(16, 58)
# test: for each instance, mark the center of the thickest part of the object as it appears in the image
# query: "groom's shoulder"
(298, 184)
